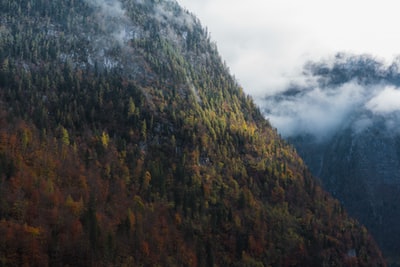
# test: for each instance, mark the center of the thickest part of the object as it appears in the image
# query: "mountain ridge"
(147, 151)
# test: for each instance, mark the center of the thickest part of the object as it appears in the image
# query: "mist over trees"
(333, 93)
(144, 150)
(345, 124)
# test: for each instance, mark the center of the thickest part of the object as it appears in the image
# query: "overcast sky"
(265, 42)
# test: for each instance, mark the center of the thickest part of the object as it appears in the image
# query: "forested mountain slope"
(124, 141)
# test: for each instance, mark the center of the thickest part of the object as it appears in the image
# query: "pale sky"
(265, 42)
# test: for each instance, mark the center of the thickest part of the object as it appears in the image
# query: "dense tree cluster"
(156, 159)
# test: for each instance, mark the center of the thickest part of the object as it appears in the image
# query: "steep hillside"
(362, 170)
(124, 141)
(354, 145)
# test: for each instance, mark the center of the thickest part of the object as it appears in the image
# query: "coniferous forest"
(125, 141)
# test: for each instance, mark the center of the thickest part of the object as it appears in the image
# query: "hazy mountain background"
(344, 121)
(124, 141)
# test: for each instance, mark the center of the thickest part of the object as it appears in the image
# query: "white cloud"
(387, 101)
(318, 111)
(265, 42)
(111, 8)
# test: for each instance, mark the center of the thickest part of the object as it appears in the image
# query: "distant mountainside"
(357, 154)
(124, 141)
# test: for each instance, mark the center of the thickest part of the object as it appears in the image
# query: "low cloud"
(335, 93)
(169, 11)
(315, 110)
(112, 30)
(110, 8)
(112, 20)
(386, 101)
